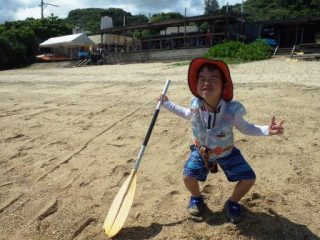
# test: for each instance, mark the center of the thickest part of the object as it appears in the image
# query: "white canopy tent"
(80, 39)
(67, 47)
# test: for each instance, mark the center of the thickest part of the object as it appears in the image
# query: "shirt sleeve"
(178, 110)
(250, 129)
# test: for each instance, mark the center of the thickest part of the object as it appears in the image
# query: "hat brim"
(193, 72)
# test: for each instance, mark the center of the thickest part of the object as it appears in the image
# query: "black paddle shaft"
(153, 122)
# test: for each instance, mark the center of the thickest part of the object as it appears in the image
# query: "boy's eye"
(208, 80)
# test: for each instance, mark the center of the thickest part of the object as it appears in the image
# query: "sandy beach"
(69, 138)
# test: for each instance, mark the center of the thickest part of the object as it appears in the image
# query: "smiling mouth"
(206, 89)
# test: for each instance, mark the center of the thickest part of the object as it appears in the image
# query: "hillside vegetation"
(260, 10)
(19, 40)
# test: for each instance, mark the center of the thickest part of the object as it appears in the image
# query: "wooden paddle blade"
(120, 206)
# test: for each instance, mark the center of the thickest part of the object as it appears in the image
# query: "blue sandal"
(196, 205)
(233, 211)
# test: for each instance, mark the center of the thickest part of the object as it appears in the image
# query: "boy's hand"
(163, 98)
(276, 128)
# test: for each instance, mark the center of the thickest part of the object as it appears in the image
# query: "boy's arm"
(250, 129)
(178, 110)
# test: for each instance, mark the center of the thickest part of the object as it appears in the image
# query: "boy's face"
(210, 84)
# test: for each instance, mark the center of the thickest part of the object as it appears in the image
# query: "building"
(290, 32)
(177, 34)
(64, 48)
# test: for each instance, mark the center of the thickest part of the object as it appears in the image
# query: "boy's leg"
(232, 207)
(196, 200)
(241, 189)
(194, 171)
(192, 185)
(237, 170)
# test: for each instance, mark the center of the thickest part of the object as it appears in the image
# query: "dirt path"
(69, 138)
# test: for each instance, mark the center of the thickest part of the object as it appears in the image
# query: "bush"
(236, 52)
(19, 40)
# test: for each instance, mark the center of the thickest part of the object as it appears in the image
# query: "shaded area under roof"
(74, 40)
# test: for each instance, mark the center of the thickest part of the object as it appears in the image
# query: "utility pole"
(124, 35)
(43, 6)
(242, 16)
(184, 32)
(242, 10)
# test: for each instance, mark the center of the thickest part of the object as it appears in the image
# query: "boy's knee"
(249, 182)
(189, 178)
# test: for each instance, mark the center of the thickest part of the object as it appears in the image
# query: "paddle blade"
(120, 206)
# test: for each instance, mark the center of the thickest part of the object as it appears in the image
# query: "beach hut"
(66, 47)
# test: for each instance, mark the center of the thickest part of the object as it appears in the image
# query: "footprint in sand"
(121, 170)
(59, 142)
(174, 192)
(130, 160)
(256, 196)
(22, 148)
(118, 169)
(242, 140)
(120, 137)
(254, 201)
(87, 127)
(85, 183)
(208, 189)
(165, 131)
(10, 139)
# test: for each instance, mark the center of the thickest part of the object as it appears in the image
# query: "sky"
(11, 10)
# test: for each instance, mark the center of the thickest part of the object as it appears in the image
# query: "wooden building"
(207, 30)
(176, 34)
(290, 32)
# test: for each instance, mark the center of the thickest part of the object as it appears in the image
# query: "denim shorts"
(234, 166)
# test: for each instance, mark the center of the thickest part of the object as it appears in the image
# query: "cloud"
(23, 13)
(21, 9)
(7, 10)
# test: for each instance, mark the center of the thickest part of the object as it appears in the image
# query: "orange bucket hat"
(193, 73)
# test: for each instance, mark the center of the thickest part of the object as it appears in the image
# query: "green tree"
(137, 20)
(163, 17)
(136, 34)
(279, 9)
(19, 40)
(210, 6)
(204, 26)
(5, 54)
(89, 19)
(144, 33)
(19, 46)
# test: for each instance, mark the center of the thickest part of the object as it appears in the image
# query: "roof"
(80, 39)
(95, 38)
(176, 22)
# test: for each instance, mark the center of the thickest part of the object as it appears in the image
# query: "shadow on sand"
(256, 225)
(138, 233)
(263, 226)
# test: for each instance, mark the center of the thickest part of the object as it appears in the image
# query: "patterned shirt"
(214, 130)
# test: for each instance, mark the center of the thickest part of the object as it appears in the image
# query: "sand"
(69, 138)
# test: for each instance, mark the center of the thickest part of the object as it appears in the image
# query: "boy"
(213, 115)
